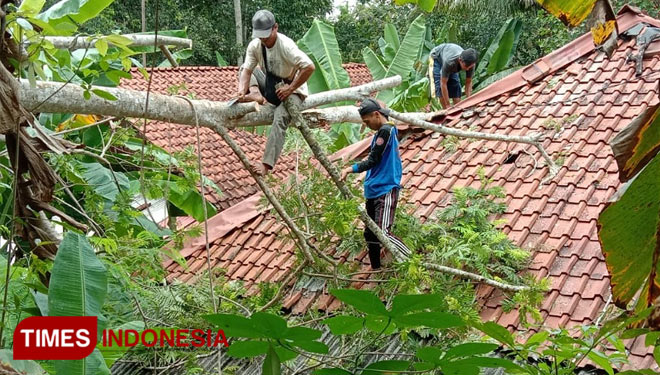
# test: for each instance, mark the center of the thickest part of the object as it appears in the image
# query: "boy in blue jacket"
(383, 180)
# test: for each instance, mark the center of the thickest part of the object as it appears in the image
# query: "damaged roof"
(218, 160)
(578, 99)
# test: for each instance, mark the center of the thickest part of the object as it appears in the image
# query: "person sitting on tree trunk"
(282, 62)
(445, 61)
(383, 180)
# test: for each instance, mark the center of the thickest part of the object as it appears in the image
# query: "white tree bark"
(138, 40)
(58, 97)
(238, 20)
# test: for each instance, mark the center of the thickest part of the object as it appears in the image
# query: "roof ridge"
(627, 17)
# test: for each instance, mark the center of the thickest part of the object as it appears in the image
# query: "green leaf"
(234, 325)
(470, 349)
(405, 303)
(426, 5)
(31, 7)
(321, 42)
(636, 144)
(302, 333)
(570, 12)
(406, 55)
(628, 232)
(102, 46)
(271, 363)
(501, 49)
(78, 284)
(118, 40)
(220, 60)
(392, 36)
(497, 332)
(344, 325)
(188, 200)
(331, 371)
(651, 338)
(538, 338)
(312, 346)
(432, 319)
(377, 368)
(430, 354)
(103, 180)
(272, 326)
(21, 366)
(77, 10)
(243, 349)
(362, 300)
(602, 362)
(376, 67)
(104, 94)
(91, 365)
(379, 324)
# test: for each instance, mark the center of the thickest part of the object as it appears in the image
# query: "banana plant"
(398, 57)
(320, 44)
(499, 53)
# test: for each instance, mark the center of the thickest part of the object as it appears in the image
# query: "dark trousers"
(381, 210)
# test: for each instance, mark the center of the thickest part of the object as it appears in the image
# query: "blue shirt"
(383, 165)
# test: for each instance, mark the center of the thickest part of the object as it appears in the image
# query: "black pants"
(381, 210)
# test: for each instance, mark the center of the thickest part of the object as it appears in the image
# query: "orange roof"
(579, 99)
(218, 161)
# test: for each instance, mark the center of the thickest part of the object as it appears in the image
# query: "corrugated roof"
(218, 160)
(579, 101)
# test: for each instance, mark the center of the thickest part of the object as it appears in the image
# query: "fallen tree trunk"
(137, 40)
(59, 97)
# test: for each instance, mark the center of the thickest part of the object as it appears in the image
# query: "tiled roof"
(219, 162)
(579, 99)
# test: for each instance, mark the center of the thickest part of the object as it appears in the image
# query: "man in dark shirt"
(445, 61)
(383, 180)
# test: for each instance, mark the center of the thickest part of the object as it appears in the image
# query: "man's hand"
(284, 92)
(345, 172)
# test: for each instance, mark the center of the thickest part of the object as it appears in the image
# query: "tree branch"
(299, 122)
(533, 139)
(137, 40)
(475, 277)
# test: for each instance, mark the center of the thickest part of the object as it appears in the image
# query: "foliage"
(209, 23)
(320, 44)
(546, 352)
(500, 51)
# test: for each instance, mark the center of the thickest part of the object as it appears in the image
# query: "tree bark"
(238, 19)
(137, 40)
(58, 97)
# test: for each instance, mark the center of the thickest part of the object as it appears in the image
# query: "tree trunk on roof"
(60, 97)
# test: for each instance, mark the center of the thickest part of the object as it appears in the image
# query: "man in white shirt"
(281, 61)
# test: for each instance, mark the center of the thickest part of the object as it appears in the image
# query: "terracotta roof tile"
(556, 220)
(219, 163)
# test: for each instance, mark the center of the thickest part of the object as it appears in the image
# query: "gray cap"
(262, 23)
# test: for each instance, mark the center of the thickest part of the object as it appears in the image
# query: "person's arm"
(468, 82)
(444, 99)
(468, 87)
(244, 83)
(302, 77)
(376, 153)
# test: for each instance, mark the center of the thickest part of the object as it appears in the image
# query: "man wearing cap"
(445, 61)
(383, 180)
(284, 65)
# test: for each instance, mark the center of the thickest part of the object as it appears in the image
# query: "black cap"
(370, 105)
(262, 23)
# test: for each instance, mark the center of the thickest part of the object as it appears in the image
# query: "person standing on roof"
(383, 180)
(282, 62)
(445, 61)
